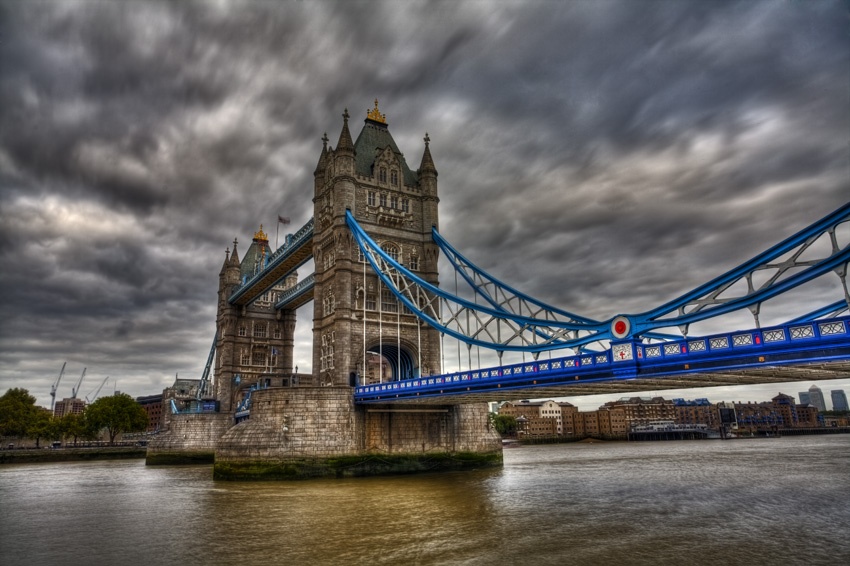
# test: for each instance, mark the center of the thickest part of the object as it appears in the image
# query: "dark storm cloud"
(604, 156)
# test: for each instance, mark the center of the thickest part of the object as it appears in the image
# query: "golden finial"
(261, 235)
(375, 115)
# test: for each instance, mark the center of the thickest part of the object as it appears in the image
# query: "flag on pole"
(282, 220)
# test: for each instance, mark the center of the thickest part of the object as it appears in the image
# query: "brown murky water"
(768, 501)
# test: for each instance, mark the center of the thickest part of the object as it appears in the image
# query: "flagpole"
(277, 233)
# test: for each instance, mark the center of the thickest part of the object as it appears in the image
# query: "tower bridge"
(378, 400)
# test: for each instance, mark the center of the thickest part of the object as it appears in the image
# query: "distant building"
(152, 405)
(698, 411)
(547, 418)
(816, 398)
(534, 418)
(644, 409)
(804, 398)
(780, 412)
(68, 406)
(839, 400)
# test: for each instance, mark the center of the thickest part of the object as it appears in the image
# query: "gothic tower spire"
(345, 145)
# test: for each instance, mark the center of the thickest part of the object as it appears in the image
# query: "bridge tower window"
(394, 177)
(327, 354)
(370, 302)
(388, 301)
(260, 330)
(244, 359)
(370, 200)
(382, 175)
(405, 205)
(243, 331)
(383, 200)
(258, 359)
(414, 263)
(394, 202)
(391, 250)
(329, 303)
(277, 332)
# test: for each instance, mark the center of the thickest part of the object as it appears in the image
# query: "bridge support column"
(305, 432)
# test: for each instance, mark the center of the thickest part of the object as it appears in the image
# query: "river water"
(759, 501)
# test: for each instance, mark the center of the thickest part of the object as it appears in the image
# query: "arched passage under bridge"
(389, 362)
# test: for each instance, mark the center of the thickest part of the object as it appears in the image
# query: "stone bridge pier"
(306, 432)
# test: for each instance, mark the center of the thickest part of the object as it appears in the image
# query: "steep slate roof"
(375, 137)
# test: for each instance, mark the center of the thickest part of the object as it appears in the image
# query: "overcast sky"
(603, 156)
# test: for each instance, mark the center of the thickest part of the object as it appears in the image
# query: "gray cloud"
(603, 156)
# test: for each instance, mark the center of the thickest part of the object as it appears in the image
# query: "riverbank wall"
(32, 456)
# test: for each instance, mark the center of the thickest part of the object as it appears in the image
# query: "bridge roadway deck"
(770, 374)
(284, 261)
(807, 351)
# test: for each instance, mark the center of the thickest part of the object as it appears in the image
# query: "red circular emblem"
(620, 327)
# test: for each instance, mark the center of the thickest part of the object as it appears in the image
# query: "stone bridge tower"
(254, 343)
(398, 208)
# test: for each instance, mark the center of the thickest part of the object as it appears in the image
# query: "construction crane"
(75, 390)
(97, 391)
(55, 386)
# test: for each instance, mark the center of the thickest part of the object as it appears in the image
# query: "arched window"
(394, 177)
(382, 175)
(391, 250)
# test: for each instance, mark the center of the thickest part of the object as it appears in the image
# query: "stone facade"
(190, 438)
(254, 344)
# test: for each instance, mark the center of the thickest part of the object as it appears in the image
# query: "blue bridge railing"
(609, 364)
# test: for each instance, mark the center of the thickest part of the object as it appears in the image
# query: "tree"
(44, 426)
(17, 412)
(75, 426)
(117, 414)
(504, 424)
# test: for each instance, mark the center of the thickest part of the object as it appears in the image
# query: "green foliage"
(117, 414)
(44, 426)
(17, 412)
(504, 424)
(76, 426)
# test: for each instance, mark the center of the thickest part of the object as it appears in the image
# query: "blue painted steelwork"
(243, 409)
(496, 328)
(829, 311)
(298, 294)
(205, 378)
(793, 343)
(505, 298)
(303, 237)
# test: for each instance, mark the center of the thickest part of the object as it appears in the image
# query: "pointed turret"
(320, 166)
(234, 257)
(345, 145)
(427, 165)
(226, 262)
